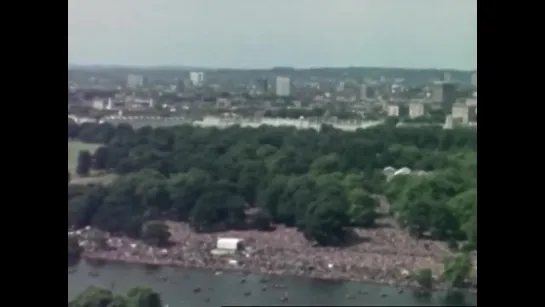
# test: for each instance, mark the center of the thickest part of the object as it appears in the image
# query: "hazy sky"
(267, 33)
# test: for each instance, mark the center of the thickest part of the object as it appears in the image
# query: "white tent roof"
(228, 243)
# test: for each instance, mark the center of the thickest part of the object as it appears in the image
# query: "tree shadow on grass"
(352, 238)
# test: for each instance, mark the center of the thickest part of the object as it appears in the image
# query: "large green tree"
(100, 297)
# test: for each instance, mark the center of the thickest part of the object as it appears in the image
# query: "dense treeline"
(136, 297)
(320, 182)
(442, 204)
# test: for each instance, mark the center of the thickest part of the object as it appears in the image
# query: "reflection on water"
(197, 288)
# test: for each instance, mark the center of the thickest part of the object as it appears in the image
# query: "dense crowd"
(387, 255)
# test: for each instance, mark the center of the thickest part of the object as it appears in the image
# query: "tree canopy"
(321, 182)
(100, 297)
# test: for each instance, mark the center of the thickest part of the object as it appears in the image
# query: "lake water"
(176, 287)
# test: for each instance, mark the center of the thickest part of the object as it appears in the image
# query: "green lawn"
(73, 151)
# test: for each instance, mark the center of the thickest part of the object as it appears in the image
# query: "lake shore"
(177, 287)
(384, 255)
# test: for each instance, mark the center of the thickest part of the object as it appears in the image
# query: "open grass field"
(74, 148)
(95, 177)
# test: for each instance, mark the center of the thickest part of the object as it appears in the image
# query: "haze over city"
(272, 152)
(267, 33)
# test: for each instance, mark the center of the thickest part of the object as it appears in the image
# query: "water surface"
(176, 286)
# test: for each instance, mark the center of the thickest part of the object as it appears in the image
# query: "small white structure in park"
(227, 246)
(389, 171)
(403, 171)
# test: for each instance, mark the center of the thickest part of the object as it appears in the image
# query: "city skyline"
(264, 34)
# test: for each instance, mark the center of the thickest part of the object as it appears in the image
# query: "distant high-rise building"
(179, 85)
(187, 84)
(263, 85)
(474, 79)
(448, 122)
(197, 78)
(283, 86)
(447, 77)
(443, 92)
(110, 104)
(135, 81)
(363, 91)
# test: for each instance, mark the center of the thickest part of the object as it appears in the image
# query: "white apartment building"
(471, 102)
(135, 81)
(98, 104)
(474, 78)
(283, 86)
(460, 112)
(393, 110)
(197, 78)
(416, 109)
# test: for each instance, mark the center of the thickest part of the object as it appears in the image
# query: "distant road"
(279, 122)
(210, 121)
